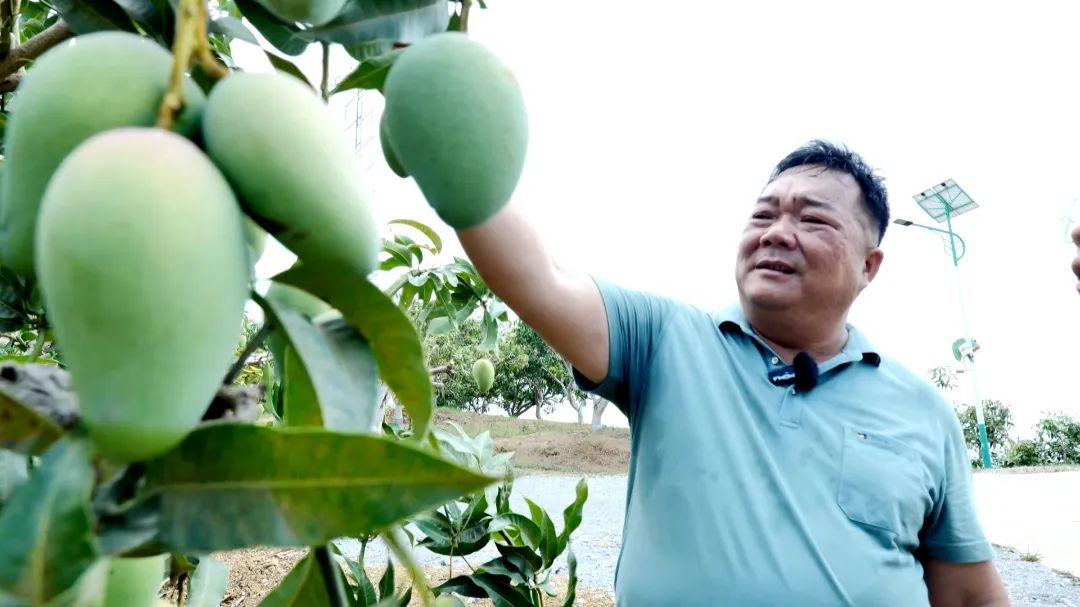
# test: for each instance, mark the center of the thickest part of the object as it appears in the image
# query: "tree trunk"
(580, 415)
(536, 399)
(599, 404)
(569, 388)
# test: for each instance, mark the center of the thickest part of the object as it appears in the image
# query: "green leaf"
(370, 74)
(463, 585)
(149, 14)
(573, 513)
(339, 369)
(25, 429)
(234, 28)
(393, 337)
(233, 485)
(432, 235)
(284, 65)
(208, 584)
(284, 36)
(403, 21)
(549, 539)
(501, 592)
(386, 584)
(500, 566)
(85, 16)
(398, 250)
(523, 559)
(491, 333)
(47, 532)
(306, 585)
(529, 530)
(571, 583)
(392, 262)
(439, 326)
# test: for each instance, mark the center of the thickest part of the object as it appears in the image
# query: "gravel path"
(596, 542)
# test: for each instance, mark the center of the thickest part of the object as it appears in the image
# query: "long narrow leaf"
(501, 592)
(363, 21)
(573, 514)
(208, 583)
(432, 235)
(370, 74)
(85, 16)
(48, 540)
(284, 36)
(394, 339)
(571, 584)
(337, 364)
(549, 539)
(233, 485)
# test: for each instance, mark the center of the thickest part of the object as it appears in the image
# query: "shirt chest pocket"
(882, 484)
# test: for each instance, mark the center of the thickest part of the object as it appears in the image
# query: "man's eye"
(810, 219)
(761, 216)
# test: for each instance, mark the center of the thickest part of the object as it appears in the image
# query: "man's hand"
(964, 584)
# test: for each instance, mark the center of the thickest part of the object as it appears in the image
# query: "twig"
(34, 48)
(325, 86)
(190, 42)
(252, 345)
(39, 345)
(465, 5)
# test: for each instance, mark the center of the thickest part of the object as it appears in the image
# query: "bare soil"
(549, 447)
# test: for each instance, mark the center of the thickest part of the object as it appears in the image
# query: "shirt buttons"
(775, 360)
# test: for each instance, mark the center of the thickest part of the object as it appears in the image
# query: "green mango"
(135, 581)
(313, 12)
(457, 123)
(388, 152)
(143, 269)
(483, 373)
(78, 89)
(293, 169)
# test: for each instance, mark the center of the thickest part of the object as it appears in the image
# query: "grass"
(1031, 557)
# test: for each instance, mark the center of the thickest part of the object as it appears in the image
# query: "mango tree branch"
(9, 21)
(465, 6)
(33, 48)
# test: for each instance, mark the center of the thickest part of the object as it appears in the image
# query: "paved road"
(1033, 513)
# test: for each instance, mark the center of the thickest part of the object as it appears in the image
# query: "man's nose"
(780, 234)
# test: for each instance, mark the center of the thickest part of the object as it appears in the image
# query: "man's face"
(808, 246)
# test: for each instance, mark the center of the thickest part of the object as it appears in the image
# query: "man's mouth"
(776, 266)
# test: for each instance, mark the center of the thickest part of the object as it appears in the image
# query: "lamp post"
(942, 202)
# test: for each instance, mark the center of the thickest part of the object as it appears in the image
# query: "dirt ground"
(253, 574)
(549, 447)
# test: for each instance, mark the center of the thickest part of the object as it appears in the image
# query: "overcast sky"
(653, 128)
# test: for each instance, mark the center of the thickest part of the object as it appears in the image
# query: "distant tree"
(528, 373)
(1057, 438)
(999, 421)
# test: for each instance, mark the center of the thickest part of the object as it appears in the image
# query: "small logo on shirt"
(782, 377)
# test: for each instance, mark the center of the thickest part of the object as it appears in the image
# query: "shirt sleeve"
(635, 321)
(953, 531)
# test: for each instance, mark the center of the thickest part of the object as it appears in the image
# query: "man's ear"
(872, 264)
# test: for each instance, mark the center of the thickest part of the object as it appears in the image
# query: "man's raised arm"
(562, 307)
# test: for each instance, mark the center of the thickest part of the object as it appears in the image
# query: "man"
(759, 475)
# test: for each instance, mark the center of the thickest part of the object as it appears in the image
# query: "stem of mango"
(190, 41)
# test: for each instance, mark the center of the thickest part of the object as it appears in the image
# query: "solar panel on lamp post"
(943, 202)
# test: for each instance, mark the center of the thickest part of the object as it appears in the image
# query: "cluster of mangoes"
(143, 239)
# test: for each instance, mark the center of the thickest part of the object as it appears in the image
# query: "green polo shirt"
(742, 492)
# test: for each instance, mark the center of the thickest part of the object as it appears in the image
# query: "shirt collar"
(857, 348)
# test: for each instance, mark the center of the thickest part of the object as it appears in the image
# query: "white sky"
(648, 149)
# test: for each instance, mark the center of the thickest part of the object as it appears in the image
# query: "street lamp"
(942, 202)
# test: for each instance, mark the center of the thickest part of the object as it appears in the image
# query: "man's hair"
(839, 158)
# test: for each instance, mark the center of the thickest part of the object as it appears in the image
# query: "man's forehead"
(813, 181)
